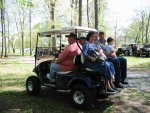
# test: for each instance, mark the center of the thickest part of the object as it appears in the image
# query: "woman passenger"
(89, 49)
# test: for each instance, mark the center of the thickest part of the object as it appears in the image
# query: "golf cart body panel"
(66, 81)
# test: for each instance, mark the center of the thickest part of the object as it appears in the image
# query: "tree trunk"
(51, 7)
(22, 29)
(96, 15)
(17, 31)
(8, 22)
(116, 32)
(75, 14)
(2, 25)
(146, 40)
(142, 27)
(88, 22)
(71, 21)
(80, 13)
(5, 41)
(30, 31)
(11, 44)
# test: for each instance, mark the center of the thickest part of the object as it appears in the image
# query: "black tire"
(138, 54)
(127, 53)
(33, 85)
(148, 54)
(81, 96)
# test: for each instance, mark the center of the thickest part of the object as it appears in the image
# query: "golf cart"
(84, 84)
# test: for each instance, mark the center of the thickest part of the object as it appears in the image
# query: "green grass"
(110, 109)
(138, 63)
(14, 98)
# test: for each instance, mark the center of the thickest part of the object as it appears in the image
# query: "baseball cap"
(71, 35)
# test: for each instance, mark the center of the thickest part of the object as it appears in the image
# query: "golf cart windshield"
(54, 40)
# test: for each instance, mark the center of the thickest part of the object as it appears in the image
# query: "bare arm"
(63, 55)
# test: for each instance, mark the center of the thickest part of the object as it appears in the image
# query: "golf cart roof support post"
(78, 41)
(60, 43)
(36, 47)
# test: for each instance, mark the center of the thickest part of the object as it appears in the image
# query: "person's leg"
(116, 64)
(110, 74)
(123, 67)
(53, 69)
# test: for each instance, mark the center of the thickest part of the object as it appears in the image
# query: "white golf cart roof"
(75, 29)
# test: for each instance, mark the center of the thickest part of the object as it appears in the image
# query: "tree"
(96, 14)
(147, 29)
(2, 3)
(80, 12)
(30, 5)
(88, 13)
(51, 8)
(72, 2)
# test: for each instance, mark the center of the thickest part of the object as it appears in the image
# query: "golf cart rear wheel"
(33, 85)
(81, 96)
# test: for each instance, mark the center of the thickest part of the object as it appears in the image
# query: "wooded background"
(22, 19)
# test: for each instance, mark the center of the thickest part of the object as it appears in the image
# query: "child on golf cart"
(109, 49)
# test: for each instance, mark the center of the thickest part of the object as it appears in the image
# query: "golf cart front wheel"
(33, 85)
(81, 97)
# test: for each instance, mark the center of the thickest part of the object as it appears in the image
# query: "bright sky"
(124, 10)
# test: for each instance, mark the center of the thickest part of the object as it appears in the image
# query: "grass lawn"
(138, 63)
(14, 99)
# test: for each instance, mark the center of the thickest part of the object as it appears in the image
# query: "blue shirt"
(101, 43)
(89, 49)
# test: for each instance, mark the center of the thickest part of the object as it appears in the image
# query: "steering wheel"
(56, 53)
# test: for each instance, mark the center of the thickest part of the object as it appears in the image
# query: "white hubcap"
(78, 97)
(30, 86)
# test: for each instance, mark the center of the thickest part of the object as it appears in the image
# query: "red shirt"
(68, 55)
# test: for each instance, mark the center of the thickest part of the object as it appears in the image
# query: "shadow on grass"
(49, 100)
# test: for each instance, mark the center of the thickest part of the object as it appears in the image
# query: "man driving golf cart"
(65, 59)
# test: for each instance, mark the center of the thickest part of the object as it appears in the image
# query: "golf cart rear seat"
(79, 61)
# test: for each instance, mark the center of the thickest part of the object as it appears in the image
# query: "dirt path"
(140, 80)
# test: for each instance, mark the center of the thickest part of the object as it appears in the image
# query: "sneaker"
(118, 85)
(123, 82)
(111, 91)
(114, 88)
(49, 77)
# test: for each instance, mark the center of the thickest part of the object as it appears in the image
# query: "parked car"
(144, 50)
(128, 49)
(84, 84)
